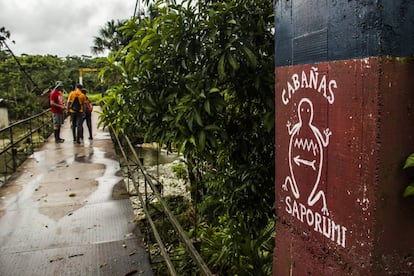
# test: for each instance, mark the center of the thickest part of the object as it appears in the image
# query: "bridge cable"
(20, 66)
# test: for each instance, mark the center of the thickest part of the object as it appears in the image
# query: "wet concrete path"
(66, 212)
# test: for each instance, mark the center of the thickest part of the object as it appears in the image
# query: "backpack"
(76, 105)
(89, 105)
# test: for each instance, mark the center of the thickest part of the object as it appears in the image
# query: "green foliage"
(184, 212)
(180, 171)
(26, 96)
(95, 98)
(110, 38)
(4, 35)
(201, 79)
(233, 251)
(409, 190)
(409, 163)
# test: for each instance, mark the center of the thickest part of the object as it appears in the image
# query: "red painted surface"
(343, 131)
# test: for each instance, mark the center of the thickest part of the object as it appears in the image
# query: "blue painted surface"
(317, 31)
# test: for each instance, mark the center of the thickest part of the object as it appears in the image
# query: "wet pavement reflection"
(58, 215)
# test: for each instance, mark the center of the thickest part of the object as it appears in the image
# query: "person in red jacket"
(58, 110)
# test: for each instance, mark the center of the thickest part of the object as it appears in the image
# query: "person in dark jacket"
(88, 113)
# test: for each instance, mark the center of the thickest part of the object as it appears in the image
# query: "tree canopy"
(200, 78)
(25, 80)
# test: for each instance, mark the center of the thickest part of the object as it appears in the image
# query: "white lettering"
(291, 90)
(326, 227)
(288, 208)
(304, 80)
(336, 230)
(343, 236)
(311, 80)
(319, 222)
(284, 99)
(322, 86)
(302, 211)
(330, 97)
(296, 83)
(295, 210)
(314, 78)
(309, 217)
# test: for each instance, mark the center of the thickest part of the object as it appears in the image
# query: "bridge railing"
(133, 164)
(20, 139)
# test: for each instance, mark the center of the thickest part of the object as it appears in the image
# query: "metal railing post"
(14, 138)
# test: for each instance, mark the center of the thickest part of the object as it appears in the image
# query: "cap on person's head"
(58, 84)
(79, 86)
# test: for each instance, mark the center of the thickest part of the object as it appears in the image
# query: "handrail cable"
(148, 216)
(26, 120)
(187, 242)
(20, 65)
(22, 137)
(12, 142)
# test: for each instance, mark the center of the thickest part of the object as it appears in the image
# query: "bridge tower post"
(344, 92)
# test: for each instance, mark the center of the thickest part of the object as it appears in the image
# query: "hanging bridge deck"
(66, 212)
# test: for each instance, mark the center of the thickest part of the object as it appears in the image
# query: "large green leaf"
(250, 56)
(150, 40)
(233, 62)
(409, 190)
(409, 162)
(207, 107)
(197, 117)
(202, 140)
(220, 67)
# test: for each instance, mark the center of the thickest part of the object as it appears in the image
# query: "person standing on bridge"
(76, 107)
(88, 113)
(58, 110)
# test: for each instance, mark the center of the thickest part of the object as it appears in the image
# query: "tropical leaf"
(409, 162)
(233, 62)
(220, 67)
(207, 107)
(197, 117)
(409, 190)
(202, 140)
(251, 58)
(150, 40)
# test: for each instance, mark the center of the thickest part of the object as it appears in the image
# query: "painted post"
(344, 88)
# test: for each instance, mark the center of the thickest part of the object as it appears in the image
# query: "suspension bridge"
(66, 212)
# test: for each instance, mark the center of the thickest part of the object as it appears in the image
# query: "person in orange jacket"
(76, 107)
